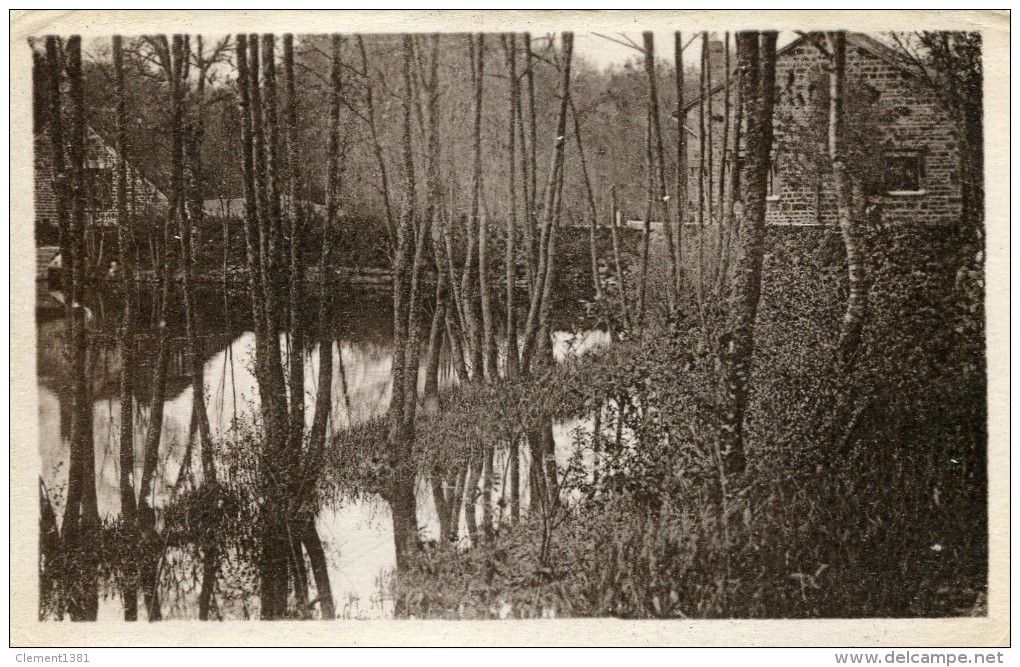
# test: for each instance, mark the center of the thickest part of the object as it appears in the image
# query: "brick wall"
(912, 121)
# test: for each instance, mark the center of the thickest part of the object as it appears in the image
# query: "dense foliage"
(885, 517)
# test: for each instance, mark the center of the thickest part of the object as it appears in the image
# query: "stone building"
(100, 188)
(907, 142)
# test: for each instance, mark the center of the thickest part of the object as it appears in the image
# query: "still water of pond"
(357, 534)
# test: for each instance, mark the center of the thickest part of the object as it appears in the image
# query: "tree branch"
(629, 45)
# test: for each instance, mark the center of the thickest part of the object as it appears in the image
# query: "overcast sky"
(598, 48)
(603, 52)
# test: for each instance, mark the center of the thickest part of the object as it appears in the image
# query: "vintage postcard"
(509, 328)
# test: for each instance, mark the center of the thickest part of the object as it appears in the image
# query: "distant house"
(233, 207)
(100, 187)
(916, 173)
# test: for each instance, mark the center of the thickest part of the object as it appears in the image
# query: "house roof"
(860, 40)
(91, 132)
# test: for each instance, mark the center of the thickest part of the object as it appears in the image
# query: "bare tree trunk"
(303, 528)
(430, 395)
(377, 145)
(127, 331)
(531, 160)
(401, 494)
(264, 264)
(550, 210)
(323, 394)
(263, 225)
(296, 357)
(58, 154)
(551, 467)
(320, 570)
(175, 67)
(487, 486)
(438, 483)
(456, 321)
(469, 282)
(272, 170)
(323, 391)
(433, 215)
(80, 280)
(190, 243)
(189, 226)
(272, 385)
(702, 132)
(81, 518)
(536, 472)
(702, 152)
(472, 327)
(544, 473)
(455, 504)
(152, 436)
(420, 226)
(253, 254)
(620, 281)
(544, 349)
(456, 351)
(733, 186)
(592, 209)
(491, 371)
(724, 159)
(662, 200)
(449, 499)
(723, 234)
(514, 477)
(709, 120)
(757, 56)
(474, 474)
(646, 237)
(512, 352)
(417, 234)
(276, 543)
(681, 156)
(849, 200)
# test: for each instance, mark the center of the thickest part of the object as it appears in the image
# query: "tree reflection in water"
(354, 525)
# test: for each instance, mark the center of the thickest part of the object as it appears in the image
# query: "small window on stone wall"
(902, 172)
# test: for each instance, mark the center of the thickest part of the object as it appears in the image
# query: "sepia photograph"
(507, 320)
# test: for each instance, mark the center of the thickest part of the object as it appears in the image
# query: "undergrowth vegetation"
(865, 492)
(879, 513)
